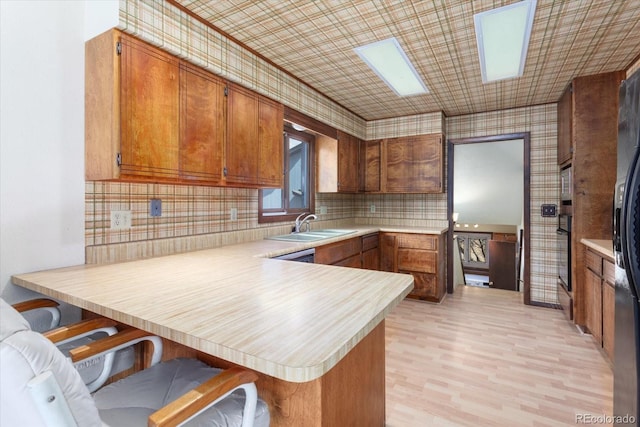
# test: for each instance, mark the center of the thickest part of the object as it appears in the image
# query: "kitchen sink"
(312, 235)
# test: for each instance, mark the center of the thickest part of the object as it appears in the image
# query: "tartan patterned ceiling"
(314, 40)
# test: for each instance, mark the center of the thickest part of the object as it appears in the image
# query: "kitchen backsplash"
(197, 217)
(186, 211)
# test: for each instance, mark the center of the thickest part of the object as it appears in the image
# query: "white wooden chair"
(40, 387)
(43, 316)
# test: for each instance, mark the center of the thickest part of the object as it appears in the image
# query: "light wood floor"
(483, 358)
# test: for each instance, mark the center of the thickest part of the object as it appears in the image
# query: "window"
(474, 249)
(297, 196)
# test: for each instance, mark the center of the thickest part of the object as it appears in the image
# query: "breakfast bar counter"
(305, 328)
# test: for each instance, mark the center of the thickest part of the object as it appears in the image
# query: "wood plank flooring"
(483, 358)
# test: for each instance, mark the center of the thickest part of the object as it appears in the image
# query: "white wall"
(488, 182)
(41, 138)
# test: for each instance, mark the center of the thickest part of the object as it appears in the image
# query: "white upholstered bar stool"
(40, 387)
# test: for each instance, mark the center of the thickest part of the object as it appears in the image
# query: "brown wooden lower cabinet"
(593, 304)
(421, 255)
(599, 300)
(344, 252)
(357, 252)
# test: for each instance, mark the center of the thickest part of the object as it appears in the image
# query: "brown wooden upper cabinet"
(154, 117)
(254, 149)
(131, 109)
(408, 164)
(338, 168)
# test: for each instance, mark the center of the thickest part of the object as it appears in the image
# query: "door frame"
(451, 143)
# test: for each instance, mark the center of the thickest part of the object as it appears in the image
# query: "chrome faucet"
(300, 222)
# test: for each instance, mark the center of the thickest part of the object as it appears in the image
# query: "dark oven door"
(564, 251)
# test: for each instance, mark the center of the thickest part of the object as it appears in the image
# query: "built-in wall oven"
(564, 251)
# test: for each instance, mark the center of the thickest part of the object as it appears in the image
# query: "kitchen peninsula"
(314, 333)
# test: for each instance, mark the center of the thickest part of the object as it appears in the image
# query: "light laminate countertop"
(604, 247)
(293, 321)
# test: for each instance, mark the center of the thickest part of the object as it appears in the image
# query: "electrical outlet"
(372, 208)
(155, 207)
(120, 220)
(234, 214)
(323, 210)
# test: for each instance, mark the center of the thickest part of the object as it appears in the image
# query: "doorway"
(480, 213)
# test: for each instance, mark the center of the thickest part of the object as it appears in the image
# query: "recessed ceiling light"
(387, 59)
(503, 35)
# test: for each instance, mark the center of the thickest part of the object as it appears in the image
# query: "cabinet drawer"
(417, 260)
(369, 241)
(594, 262)
(418, 241)
(609, 270)
(334, 252)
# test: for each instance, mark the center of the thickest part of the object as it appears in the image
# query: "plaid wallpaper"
(316, 38)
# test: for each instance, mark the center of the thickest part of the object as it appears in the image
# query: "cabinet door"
(371, 259)
(425, 286)
(414, 164)
(149, 110)
(202, 126)
(565, 134)
(241, 155)
(593, 304)
(388, 251)
(371, 160)
(371, 252)
(271, 146)
(348, 147)
(608, 318)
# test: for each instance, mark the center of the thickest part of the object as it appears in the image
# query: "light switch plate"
(549, 211)
(323, 210)
(155, 207)
(372, 208)
(234, 214)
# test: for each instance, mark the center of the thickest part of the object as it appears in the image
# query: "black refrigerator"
(626, 245)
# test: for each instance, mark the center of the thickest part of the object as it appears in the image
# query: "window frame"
(464, 258)
(288, 214)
